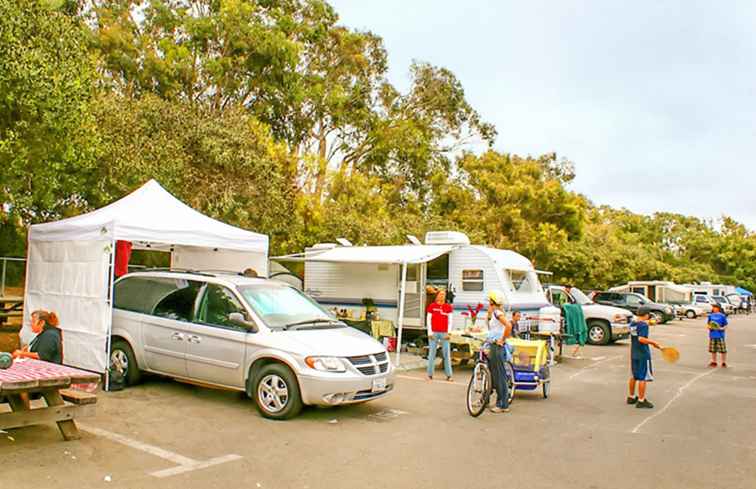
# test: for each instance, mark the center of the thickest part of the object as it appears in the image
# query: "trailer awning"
(396, 255)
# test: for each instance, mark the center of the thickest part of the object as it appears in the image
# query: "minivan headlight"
(326, 364)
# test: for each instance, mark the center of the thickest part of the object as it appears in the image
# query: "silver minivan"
(255, 335)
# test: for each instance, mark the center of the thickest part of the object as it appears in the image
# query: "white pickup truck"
(606, 324)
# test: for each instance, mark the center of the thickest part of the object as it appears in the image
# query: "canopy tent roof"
(371, 254)
(742, 291)
(151, 214)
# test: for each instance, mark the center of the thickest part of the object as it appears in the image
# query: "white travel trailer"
(394, 278)
(659, 291)
(710, 289)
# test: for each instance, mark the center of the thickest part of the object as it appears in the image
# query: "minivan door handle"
(194, 339)
(177, 336)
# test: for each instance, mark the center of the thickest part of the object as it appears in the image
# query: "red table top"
(27, 374)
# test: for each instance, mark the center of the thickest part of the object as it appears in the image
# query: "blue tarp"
(742, 291)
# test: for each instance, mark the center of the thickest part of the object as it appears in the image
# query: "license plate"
(379, 385)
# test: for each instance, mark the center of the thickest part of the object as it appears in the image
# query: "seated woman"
(48, 344)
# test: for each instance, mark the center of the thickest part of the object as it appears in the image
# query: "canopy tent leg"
(111, 285)
(402, 290)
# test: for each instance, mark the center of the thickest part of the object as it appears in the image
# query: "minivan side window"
(141, 294)
(472, 280)
(179, 304)
(217, 303)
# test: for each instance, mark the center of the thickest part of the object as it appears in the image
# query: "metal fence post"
(2, 282)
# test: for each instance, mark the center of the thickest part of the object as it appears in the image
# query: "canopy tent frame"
(71, 262)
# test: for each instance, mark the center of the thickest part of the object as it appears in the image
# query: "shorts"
(642, 369)
(717, 345)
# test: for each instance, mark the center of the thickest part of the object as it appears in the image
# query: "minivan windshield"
(580, 297)
(284, 307)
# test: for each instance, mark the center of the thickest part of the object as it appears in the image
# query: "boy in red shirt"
(438, 321)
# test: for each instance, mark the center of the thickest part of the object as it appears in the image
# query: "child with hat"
(717, 323)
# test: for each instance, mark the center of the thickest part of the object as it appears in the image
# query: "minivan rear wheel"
(276, 392)
(122, 358)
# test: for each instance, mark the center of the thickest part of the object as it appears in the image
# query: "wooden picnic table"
(51, 381)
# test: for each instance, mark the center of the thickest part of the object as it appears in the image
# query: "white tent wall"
(71, 278)
(195, 258)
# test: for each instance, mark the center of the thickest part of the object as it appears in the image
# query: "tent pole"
(402, 290)
(111, 288)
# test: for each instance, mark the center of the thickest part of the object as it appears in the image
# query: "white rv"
(665, 292)
(394, 278)
(659, 291)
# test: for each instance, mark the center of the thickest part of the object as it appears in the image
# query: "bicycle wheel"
(479, 390)
(510, 381)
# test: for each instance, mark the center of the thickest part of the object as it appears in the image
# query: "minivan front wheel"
(277, 392)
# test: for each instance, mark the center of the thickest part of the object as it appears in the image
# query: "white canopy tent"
(402, 255)
(70, 262)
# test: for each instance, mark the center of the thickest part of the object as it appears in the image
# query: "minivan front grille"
(371, 364)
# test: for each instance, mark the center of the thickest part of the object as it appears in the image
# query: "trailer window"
(472, 280)
(519, 281)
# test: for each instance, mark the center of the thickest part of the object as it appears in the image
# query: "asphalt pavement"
(163, 434)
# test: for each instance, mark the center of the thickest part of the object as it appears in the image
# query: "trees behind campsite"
(270, 115)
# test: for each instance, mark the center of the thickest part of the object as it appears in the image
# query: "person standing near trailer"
(439, 319)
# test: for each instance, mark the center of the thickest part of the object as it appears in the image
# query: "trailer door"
(414, 295)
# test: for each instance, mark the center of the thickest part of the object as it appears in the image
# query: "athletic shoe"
(644, 404)
(632, 400)
(724, 365)
(497, 409)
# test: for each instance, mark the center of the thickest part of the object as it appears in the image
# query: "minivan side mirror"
(238, 319)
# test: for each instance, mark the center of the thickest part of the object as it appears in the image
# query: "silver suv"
(255, 335)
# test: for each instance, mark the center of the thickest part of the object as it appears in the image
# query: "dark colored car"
(631, 301)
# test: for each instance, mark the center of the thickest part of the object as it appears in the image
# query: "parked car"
(690, 311)
(631, 301)
(727, 306)
(704, 302)
(255, 335)
(606, 324)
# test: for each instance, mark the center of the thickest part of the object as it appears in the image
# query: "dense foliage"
(270, 115)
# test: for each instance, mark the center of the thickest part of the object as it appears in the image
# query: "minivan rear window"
(141, 294)
(167, 297)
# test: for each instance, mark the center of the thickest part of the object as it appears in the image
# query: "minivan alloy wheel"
(273, 393)
(120, 361)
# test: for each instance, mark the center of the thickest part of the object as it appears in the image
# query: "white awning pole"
(402, 289)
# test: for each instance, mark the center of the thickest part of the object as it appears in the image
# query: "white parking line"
(674, 398)
(184, 464)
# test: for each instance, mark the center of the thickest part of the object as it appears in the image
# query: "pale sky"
(652, 100)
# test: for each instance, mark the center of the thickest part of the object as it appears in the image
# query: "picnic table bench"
(51, 381)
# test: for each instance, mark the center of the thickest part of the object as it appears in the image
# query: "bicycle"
(480, 388)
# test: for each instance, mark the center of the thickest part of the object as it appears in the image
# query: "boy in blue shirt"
(640, 359)
(717, 323)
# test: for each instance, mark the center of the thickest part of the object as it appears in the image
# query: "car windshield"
(580, 297)
(282, 307)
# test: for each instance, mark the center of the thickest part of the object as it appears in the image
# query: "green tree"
(223, 163)
(47, 136)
